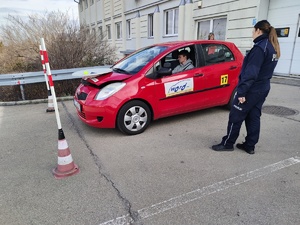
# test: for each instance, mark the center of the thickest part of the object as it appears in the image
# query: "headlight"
(109, 90)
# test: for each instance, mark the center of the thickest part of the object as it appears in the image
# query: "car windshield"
(138, 60)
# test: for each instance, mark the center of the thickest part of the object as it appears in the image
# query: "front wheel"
(134, 117)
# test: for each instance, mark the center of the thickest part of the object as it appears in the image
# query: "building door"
(295, 68)
(217, 26)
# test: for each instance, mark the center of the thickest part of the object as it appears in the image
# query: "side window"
(172, 59)
(167, 64)
(216, 53)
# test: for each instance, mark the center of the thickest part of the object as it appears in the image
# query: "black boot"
(220, 147)
(245, 148)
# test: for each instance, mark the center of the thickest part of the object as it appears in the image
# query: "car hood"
(107, 78)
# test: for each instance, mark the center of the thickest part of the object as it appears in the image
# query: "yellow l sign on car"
(224, 79)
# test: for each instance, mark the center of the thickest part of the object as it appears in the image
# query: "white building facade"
(133, 24)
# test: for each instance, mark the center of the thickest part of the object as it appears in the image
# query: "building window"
(86, 4)
(81, 6)
(128, 29)
(171, 21)
(92, 2)
(100, 31)
(94, 32)
(203, 30)
(108, 30)
(119, 30)
(150, 25)
(217, 26)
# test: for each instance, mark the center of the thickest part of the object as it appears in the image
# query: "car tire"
(229, 105)
(134, 117)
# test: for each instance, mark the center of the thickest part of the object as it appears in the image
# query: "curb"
(287, 80)
(35, 101)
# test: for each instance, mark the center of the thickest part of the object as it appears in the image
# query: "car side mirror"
(164, 72)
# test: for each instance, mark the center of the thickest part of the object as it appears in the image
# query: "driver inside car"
(185, 62)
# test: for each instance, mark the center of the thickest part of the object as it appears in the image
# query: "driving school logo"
(179, 87)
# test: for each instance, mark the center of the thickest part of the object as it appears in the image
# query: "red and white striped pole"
(66, 166)
(50, 97)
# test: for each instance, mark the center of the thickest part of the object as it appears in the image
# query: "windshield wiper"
(118, 70)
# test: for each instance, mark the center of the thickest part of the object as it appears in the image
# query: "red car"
(141, 87)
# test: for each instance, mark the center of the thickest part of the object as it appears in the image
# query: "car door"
(179, 92)
(220, 72)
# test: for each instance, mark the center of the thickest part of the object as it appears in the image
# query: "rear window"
(217, 53)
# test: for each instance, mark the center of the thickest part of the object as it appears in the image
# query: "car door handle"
(198, 75)
(233, 67)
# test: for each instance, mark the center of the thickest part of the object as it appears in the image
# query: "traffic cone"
(50, 104)
(66, 167)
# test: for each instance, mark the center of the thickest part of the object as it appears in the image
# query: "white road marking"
(201, 192)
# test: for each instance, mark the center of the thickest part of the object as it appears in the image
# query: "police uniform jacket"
(258, 67)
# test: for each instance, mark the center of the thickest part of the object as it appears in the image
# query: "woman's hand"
(242, 100)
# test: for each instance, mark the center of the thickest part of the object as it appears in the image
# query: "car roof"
(191, 42)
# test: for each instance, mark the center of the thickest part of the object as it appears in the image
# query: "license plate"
(77, 105)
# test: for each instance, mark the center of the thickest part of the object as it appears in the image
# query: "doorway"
(295, 65)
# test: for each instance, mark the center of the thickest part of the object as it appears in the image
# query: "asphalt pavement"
(166, 175)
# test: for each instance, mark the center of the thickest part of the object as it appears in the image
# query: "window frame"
(100, 30)
(93, 31)
(174, 22)
(128, 29)
(81, 6)
(150, 25)
(212, 28)
(108, 31)
(118, 26)
(214, 58)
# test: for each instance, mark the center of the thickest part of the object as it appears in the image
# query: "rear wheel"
(134, 117)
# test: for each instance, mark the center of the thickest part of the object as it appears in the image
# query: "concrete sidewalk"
(166, 175)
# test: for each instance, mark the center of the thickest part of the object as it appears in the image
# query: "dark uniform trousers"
(250, 111)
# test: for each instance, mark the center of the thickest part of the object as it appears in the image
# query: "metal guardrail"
(38, 77)
(65, 74)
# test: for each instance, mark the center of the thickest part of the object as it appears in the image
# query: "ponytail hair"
(266, 28)
(274, 40)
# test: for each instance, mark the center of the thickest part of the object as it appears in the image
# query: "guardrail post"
(22, 92)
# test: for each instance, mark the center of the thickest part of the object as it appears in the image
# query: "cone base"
(61, 175)
(50, 110)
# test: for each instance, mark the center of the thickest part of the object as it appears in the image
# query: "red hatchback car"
(141, 87)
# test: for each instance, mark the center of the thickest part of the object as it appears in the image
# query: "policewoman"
(252, 89)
